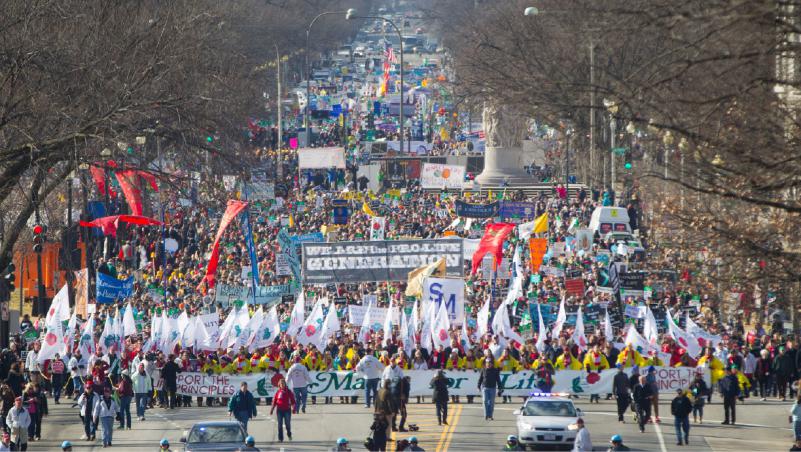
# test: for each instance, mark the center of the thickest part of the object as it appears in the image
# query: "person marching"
(680, 408)
(440, 385)
(242, 406)
(283, 400)
(595, 361)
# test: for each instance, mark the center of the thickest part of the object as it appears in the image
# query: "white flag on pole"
(296, 319)
(364, 333)
(543, 331)
(59, 308)
(388, 325)
(442, 327)
(128, 321)
(608, 334)
(482, 319)
(561, 318)
(578, 334)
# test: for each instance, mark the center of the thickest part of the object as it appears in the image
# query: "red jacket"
(284, 399)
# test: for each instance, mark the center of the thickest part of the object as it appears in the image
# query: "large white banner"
(321, 158)
(377, 316)
(447, 290)
(460, 382)
(437, 175)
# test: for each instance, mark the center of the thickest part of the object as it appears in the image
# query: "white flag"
(203, 339)
(482, 319)
(636, 340)
(59, 308)
(329, 328)
(578, 334)
(119, 332)
(252, 329)
(561, 318)
(86, 344)
(542, 333)
(296, 320)
(407, 335)
(364, 333)
(700, 335)
(649, 328)
(226, 328)
(415, 322)
(502, 327)
(464, 338)
(608, 334)
(170, 336)
(442, 327)
(269, 330)
(310, 333)
(524, 230)
(427, 326)
(107, 339)
(240, 323)
(683, 339)
(69, 334)
(377, 228)
(52, 343)
(128, 321)
(388, 325)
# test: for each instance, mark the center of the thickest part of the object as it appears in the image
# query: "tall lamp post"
(306, 120)
(532, 11)
(352, 14)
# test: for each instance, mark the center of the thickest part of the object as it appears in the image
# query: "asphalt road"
(762, 426)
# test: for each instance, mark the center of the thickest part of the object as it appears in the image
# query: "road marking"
(447, 434)
(168, 420)
(659, 437)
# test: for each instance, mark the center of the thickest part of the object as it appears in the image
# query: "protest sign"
(517, 210)
(377, 260)
(321, 158)
(226, 294)
(111, 289)
(437, 175)
(468, 210)
(461, 383)
(537, 248)
(445, 290)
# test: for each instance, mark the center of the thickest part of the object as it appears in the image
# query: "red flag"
(129, 183)
(110, 224)
(233, 209)
(99, 176)
(492, 242)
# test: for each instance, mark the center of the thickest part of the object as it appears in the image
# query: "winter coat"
(440, 385)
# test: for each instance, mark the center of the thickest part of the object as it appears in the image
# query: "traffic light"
(209, 139)
(38, 238)
(627, 159)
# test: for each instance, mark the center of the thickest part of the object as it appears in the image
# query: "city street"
(762, 426)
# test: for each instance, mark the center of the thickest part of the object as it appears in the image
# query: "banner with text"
(445, 290)
(111, 289)
(438, 175)
(461, 383)
(390, 260)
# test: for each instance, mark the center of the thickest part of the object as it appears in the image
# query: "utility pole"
(40, 291)
(592, 110)
(280, 107)
(613, 129)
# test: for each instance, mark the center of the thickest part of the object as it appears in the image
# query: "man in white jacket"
(77, 367)
(299, 379)
(86, 407)
(142, 388)
(371, 369)
(18, 421)
(583, 442)
(105, 412)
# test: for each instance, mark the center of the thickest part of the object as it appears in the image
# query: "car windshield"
(216, 434)
(556, 408)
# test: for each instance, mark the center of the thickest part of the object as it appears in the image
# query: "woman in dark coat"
(440, 385)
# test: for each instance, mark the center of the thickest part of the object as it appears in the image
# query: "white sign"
(437, 175)
(377, 316)
(282, 265)
(377, 228)
(171, 245)
(461, 383)
(447, 290)
(470, 248)
(321, 158)
(502, 272)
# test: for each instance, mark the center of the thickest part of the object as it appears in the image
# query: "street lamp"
(532, 11)
(306, 121)
(613, 108)
(353, 14)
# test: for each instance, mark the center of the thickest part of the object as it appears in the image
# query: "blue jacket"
(242, 401)
(729, 386)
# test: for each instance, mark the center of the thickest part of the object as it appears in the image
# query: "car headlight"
(525, 426)
(572, 427)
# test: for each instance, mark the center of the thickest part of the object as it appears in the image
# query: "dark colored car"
(216, 436)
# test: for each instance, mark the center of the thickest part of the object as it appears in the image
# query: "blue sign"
(516, 209)
(468, 210)
(310, 237)
(340, 215)
(111, 289)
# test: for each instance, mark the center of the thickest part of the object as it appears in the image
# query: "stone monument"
(505, 130)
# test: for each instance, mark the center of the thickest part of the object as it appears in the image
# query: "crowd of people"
(754, 361)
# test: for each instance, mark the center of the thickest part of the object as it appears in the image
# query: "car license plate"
(549, 437)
